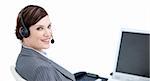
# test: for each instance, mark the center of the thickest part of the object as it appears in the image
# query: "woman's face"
(40, 35)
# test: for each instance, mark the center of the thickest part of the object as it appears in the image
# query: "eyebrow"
(49, 25)
(43, 25)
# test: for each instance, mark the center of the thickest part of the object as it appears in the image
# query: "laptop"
(133, 58)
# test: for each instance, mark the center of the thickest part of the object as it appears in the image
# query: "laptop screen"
(134, 54)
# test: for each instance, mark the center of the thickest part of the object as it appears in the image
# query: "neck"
(31, 47)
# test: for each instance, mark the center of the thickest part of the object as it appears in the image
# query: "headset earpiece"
(24, 32)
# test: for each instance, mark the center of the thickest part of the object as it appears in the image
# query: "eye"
(39, 28)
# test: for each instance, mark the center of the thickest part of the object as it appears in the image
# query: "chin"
(46, 46)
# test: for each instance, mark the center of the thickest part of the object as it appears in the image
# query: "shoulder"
(30, 63)
(31, 58)
(36, 62)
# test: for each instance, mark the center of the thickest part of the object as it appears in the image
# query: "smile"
(45, 40)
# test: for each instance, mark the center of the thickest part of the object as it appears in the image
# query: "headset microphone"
(52, 40)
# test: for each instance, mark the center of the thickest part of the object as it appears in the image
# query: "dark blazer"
(33, 66)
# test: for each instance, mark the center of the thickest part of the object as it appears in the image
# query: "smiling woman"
(34, 30)
(40, 35)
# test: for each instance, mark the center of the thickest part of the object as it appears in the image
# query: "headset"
(24, 32)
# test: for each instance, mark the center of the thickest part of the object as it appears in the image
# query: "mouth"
(45, 41)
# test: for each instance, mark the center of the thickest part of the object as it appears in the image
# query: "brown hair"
(30, 14)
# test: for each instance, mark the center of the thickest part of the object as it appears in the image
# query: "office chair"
(15, 74)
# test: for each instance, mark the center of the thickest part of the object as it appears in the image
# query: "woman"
(34, 30)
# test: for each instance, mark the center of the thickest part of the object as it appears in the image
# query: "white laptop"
(133, 57)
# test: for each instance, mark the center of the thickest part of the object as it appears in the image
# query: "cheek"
(35, 42)
(35, 37)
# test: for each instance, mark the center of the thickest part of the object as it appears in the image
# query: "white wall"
(85, 31)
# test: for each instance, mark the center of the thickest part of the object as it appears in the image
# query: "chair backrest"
(15, 74)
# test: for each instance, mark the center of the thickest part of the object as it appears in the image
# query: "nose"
(48, 33)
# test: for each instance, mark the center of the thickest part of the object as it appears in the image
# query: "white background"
(86, 32)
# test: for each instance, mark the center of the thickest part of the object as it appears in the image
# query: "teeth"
(47, 40)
